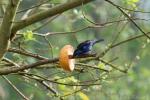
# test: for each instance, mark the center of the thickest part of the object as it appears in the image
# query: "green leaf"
(135, 1)
(28, 35)
(132, 3)
(62, 87)
(66, 81)
(71, 79)
(83, 96)
(101, 65)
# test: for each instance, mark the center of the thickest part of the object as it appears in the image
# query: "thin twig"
(126, 15)
(26, 53)
(45, 23)
(42, 62)
(50, 45)
(120, 43)
(94, 67)
(10, 62)
(96, 25)
(15, 88)
(52, 81)
(33, 7)
(113, 66)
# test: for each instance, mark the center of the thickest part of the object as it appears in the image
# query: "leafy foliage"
(120, 73)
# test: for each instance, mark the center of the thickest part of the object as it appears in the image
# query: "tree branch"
(4, 71)
(45, 14)
(130, 19)
(5, 29)
(15, 88)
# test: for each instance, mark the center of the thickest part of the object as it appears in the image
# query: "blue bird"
(85, 47)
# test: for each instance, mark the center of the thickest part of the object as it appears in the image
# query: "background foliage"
(104, 21)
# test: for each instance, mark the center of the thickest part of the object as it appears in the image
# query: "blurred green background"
(133, 55)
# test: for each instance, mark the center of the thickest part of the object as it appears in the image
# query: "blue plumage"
(85, 47)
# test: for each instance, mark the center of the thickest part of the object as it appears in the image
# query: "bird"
(85, 47)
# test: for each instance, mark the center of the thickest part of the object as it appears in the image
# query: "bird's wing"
(83, 44)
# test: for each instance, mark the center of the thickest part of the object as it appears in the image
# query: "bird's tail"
(99, 40)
